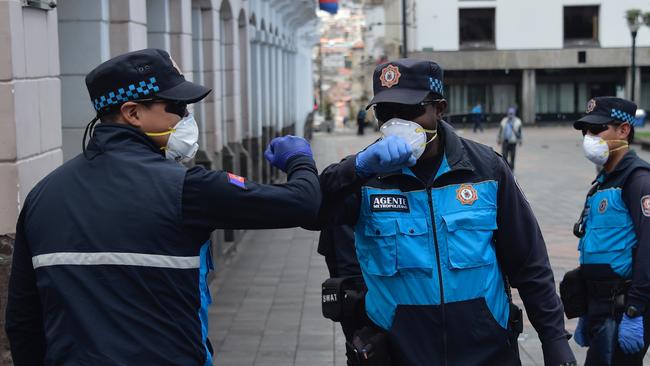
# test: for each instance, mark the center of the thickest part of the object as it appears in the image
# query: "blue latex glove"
(580, 334)
(386, 155)
(630, 334)
(281, 149)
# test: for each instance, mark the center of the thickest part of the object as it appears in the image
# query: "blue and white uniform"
(434, 255)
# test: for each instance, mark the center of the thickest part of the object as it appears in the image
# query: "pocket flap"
(607, 221)
(605, 239)
(412, 226)
(380, 227)
(477, 219)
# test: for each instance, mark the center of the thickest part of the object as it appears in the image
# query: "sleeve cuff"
(557, 352)
(299, 160)
(637, 303)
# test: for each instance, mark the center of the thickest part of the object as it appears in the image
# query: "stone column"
(528, 87)
(128, 26)
(256, 108)
(83, 25)
(265, 77)
(30, 120)
(180, 35)
(242, 95)
(158, 24)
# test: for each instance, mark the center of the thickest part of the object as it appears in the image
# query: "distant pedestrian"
(477, 116)
(509, 136)
(361, 121)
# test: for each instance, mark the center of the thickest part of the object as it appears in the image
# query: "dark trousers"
(477, 122)
(604, 350)
(360, 126)
(508, 151)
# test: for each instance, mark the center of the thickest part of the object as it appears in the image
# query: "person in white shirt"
(509, 136)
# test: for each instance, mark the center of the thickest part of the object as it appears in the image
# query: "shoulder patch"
(645, 205)
(237, 180)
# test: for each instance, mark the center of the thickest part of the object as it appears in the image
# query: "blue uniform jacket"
(434, 257)
(112, 253)
(616, 244)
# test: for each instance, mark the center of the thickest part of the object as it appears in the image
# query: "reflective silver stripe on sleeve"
(113, 258)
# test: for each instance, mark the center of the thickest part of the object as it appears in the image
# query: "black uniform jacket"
(112, 252)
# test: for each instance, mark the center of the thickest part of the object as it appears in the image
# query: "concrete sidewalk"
(266, 308)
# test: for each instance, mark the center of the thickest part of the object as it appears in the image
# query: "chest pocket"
(391, 244)
(469, 237)
(606, 233)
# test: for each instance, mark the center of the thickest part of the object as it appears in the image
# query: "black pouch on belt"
(340, 296)
(573, 292)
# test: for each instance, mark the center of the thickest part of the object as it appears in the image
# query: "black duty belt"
(606, 289)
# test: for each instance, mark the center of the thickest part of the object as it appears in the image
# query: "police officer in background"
(439, 225)
(112, 249)
(336, 243)
(614, 232)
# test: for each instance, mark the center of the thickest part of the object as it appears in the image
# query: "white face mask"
(596, 149)
(183, 140)
(411, 132)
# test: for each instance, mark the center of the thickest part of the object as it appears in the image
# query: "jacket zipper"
(442, 291)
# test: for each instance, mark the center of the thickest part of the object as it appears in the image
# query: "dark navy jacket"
(617, 228)
(434, 257)
(112, 252)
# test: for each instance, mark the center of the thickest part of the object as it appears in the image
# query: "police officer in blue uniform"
(614, 232)
(112, 249)
(440, 224)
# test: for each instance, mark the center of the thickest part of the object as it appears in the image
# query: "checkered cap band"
(623, 116)
(131, 92)
(435, 85)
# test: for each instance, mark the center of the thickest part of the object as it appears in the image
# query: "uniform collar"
(626, 162)
(112, 136)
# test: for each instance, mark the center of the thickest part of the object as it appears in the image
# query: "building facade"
(254, 54)
(545, 57)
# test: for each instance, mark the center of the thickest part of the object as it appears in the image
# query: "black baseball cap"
(143, 74)
(604, 110)
(406, 81)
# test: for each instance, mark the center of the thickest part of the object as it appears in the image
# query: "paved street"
(266, 308)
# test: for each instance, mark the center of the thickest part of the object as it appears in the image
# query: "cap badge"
(466, 194)
(389, 76)
(590, 106)
(176, 66)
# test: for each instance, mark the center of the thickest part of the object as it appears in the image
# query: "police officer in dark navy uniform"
(112, 249)
(336, 243)
(614, 232)
(440, 228)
